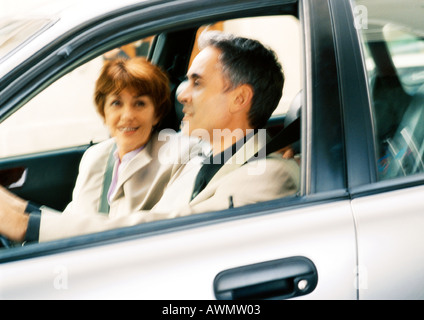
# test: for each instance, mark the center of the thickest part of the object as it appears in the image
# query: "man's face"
(205, 98)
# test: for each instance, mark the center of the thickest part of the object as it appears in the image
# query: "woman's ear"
(242, 98)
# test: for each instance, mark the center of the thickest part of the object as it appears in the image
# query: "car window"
(393, 47)
(64, 114)
(286, 46)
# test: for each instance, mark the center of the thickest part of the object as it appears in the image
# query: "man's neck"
(223, 139)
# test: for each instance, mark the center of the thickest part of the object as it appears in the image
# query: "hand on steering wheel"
(4, 242)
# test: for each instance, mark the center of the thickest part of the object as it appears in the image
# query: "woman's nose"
(127, 112)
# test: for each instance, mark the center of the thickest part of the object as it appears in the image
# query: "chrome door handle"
(277, 279)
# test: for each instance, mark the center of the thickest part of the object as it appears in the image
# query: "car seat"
(405, 151)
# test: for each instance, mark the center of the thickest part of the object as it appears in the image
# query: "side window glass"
(394, 57)
(63, 115)
(287, 47)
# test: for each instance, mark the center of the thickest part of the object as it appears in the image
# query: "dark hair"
(247, 61)
(138, 75)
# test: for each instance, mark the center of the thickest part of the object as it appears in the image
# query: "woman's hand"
(13, 219)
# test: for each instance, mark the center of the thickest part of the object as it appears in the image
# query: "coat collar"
(138, 162)
(244, 154)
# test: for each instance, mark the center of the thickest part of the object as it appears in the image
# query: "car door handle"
(277, 279)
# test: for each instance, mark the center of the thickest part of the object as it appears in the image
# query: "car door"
(387, 200)
(302, 246)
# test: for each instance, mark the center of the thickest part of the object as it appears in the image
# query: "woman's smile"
(130, 118)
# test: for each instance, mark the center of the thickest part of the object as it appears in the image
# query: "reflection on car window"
(14, 32)
(407, 52)
(394, 56)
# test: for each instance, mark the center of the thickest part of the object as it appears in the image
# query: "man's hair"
(137, 75)
(246, 61)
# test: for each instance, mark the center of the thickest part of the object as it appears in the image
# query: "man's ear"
(242, 98)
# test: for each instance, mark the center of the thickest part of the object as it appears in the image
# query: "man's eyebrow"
(194, 76)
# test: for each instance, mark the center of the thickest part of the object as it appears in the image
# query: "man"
(233, 86)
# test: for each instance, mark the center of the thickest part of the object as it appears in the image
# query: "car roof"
(48, 22)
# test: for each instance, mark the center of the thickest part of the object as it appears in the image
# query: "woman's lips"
(128, 129)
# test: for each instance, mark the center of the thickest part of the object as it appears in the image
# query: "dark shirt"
(212, 165)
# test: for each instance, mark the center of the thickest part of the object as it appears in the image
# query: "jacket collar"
(247, 152)
(138, 162)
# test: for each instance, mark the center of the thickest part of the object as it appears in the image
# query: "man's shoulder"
(180, 149)
(270, 168)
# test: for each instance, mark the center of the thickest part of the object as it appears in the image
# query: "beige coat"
(139, 187)
(246, 183)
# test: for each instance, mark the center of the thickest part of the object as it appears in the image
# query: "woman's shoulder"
(99, 150)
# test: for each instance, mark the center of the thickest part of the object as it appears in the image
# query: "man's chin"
(185, 128)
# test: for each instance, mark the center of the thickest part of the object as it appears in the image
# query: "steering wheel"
(4, 242)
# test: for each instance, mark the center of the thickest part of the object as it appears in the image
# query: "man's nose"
(183, 92)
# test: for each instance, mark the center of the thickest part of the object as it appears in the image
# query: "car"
(355, 79)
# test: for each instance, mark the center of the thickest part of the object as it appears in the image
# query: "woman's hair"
(136, 75)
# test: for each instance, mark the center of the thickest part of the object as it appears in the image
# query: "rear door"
(303, 246)
(388, 205)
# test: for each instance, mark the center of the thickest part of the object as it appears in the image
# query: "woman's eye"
(116, 103)
(140, 103)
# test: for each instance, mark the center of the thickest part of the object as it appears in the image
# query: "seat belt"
(104, 203)
(282, 139)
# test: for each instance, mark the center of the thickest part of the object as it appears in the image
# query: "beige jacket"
(246, 183)
(139, 187)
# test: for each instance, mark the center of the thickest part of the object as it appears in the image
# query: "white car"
(354, 69)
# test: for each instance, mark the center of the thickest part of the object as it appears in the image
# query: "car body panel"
(363, 236)
(183, 264)
(390, 246)
(64, 16)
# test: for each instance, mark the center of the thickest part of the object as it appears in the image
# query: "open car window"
(63, 115)
(66, 107)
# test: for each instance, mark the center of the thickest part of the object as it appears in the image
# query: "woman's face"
(130, 119)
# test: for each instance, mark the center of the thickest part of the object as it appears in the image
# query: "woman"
(124, 174)
(117, 177)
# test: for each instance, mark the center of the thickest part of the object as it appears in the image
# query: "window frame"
(362, 184)
(50, 69)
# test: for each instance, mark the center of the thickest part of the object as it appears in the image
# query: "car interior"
(398, 111)
(49, 176)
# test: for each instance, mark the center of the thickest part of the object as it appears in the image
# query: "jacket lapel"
(142, 159)
(244, 154)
